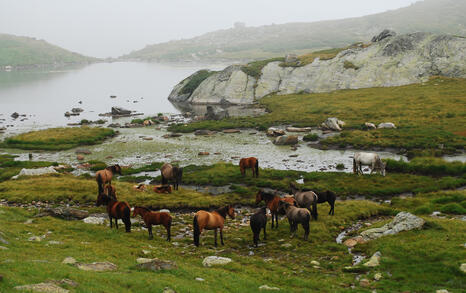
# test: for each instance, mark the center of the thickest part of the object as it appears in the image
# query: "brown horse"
(169, 172)
(305, 199)
(296, 216)
(163, 188)
(272, 201)
(154, 218)
(211, 221)
(250, 162)
(116, 210)
(110, 191)
(105, 176)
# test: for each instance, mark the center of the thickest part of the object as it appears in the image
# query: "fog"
(111, 28)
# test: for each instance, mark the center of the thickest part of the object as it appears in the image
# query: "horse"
(116, 210)
(110, 191)
(211, 221)
(250, 162)
(154, 218)
(169, 172)
(271, 200)
(163, 188)
(305, 199)
(296, 216)
(325, 196)
(257, 222)
(105, 176)
(368, 159)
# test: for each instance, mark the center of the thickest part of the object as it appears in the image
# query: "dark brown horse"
(105, 176)
(257, 222)
(163, 188)
(154, 218)
(250, 162)
(110, 191)
(169, 172)
(211, 221)
(326, 196)
(272, 200)
(116, 210)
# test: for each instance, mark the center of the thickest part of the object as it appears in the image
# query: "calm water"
(44, 96)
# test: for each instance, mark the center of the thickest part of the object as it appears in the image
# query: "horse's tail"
(257, 168)
(100, 183)
(126, 218)
(197, 231)
(169, 226)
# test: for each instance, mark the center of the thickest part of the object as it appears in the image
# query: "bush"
(453, 208)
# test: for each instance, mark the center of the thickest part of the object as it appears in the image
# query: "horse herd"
(298, 207)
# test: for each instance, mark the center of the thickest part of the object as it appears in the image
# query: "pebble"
(69, 260)
(267, 287)
(200, 279)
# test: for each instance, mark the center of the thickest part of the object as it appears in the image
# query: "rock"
(120, 111)
(168, 290)
(213, 114)
(403, 221)
(157, 265)
(35, 172)
(442, 291)
(386, 125)
(377, 276)
(275, 132)
(384, 34)
(204, 132)
(69, 261)
(316, 263)
(35, 239)
(374, 261)
(15, 115)
(148, 138)
(83, 151)
(114, 125)
(463, 267)
(65, 282)
(231, 131)
(200, 279)
(42, 287)
(351, 242)
(54, 242)
(286, 140)
(356, 269)
(267, 287)
(333, 124)
(215, 260)
(170, 135)
(94, 220)
(298, 129)
(79, 157)
(203, 154)
(148, 122)
(369, 125)
(143, 260)
(66, 213)
(364, 283)
(164, 211)
(77, 110)
(291, 58)
(97, 266)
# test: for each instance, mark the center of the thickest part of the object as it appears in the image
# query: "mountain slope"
(247, 43)
(19, 51)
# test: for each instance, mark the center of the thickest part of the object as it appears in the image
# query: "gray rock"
(97, 266)
(333, 124)
(386, 125)
(272, 131)
(267, 287)
(291, 58)
(2, 240)
(286, 140)
(215, 114)
(374, 261)
(15, 115)
(120, 111)
(157, 265)
(215, 260)
(204, 132)
(403, 221)
(94, 220)
(47, 287)
(114, 125)
(77, 110)
(83, 151)
(69, 260)
(383, 35)
(66, 213)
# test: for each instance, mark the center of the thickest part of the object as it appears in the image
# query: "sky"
(112, 28)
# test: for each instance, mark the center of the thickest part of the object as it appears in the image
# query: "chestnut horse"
(163, 188)
(105, 176)
(169, 172)
(272, 200)
(116, 210)
(250, 162)
(154, 218)
(211, 221)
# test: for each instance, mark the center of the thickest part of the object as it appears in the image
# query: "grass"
(195, 81)
(430, 116)
(310, 57)
(311, 137)
(254, 68)
(349, 65)
(446, 202)
(58, 138)
(9, 167)
(427, 166)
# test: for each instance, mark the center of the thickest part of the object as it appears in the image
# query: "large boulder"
(403, 221)
(386, 125)
(66, 213)
(333, 124)
(120, 111)
(286, 140)
(383, 35)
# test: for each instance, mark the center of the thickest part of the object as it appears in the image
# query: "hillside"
(248, 43)
(17, 52)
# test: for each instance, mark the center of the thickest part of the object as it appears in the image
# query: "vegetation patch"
(311, 137)
(349, 65)
(195, 81)
(427, 166)
(254, 68)
(309, 58)
(447, 202)
(58, 138)
(9, 167)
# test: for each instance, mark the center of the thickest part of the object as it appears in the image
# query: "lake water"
(44, 96)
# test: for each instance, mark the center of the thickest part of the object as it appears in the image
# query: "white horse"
(368, 159)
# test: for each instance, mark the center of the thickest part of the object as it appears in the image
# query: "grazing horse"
(169, 172)
(163, 188)
(326, 196)
(257, 222)
(271, 200)
(250, 162)
(105, 176)
(296, 216)
(116, 210)
(154, 218)
(368, 159)
(305, 199)
(211, 221)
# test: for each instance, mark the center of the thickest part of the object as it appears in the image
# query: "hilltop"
(249, 43)
(20, 52)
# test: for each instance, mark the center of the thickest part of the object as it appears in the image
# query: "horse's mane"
(143, 208)
(223, 211)
(267, 195)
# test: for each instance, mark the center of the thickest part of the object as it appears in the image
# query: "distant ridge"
(248, 43)
(24, 52)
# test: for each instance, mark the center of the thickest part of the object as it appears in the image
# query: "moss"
(349, 65)
(254, 68)
(195, 81)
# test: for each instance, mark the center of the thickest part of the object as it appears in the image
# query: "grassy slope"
(23, 51)
(252, 43)
(58, 138)
(427, 115)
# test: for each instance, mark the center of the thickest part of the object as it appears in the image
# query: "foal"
(154, 218)
(257, 222)
(116, 210)
(297, 216)
(211, 221)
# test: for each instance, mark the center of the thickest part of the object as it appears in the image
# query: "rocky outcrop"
(403, 221)
(391, 60)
